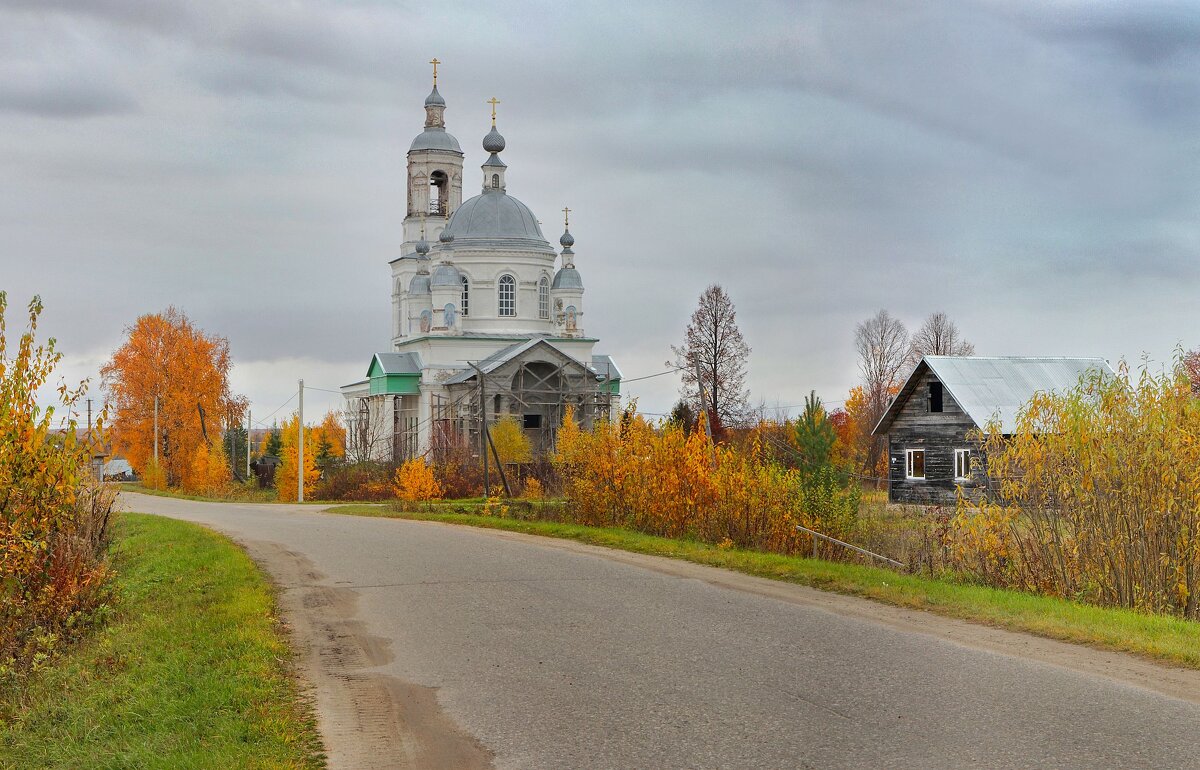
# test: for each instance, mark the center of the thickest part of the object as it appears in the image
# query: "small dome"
(434, 99)
(419, 284)
(567, 240)
(567, 278)
(422, 246)
(446, 275)
(493, 142)
(435, 138)
(446, 236)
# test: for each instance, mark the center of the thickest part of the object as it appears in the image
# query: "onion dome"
(567, 240)
(567, 278)
(446, 275)
(446, 236)
(419, 284)
(422, 246)
(434, 99)
(493, 142)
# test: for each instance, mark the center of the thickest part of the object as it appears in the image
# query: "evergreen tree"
(275, 442)
(815, 434)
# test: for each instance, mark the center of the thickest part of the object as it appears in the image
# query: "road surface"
(435, 646)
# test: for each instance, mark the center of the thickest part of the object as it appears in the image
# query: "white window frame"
(962, 461)
(544, 298)
(508, 303)
(908, 464)
(466, 296)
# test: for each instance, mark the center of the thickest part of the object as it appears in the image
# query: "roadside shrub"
(1095, 497)
(355, 481)
(415, 483)
(457, 470)
(53, 517)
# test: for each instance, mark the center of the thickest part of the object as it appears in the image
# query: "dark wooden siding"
(939, 434)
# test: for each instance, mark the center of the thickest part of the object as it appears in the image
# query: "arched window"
(544, 297)
(466, 296)
(439, 193)
(507, 295)
(495, 181)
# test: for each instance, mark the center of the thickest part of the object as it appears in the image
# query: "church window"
(466, 296)
(439, 193)
(544, 298)
(495, 181)
(508, 295)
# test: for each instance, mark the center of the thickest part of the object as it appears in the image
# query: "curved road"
(431, 645)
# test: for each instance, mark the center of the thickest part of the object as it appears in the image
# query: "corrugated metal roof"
(399, 363)
(988, 388)
(605, 366)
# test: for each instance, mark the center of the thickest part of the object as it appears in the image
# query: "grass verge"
(1163, 638)
(192, 671)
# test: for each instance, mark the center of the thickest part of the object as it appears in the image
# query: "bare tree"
(883, 346)
(715, 345)
(1190, 361)
(938, 336)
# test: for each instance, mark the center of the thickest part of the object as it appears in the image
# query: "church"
(488, 318)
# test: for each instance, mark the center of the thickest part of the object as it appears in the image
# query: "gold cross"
(435, 63)
(493, 101)
(566, 217)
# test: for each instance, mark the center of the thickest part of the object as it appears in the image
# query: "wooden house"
(947, 398)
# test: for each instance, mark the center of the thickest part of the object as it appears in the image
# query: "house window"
(935, 396)
(962, 464)
(466, 296)
(544, 298)
(507, 295)
(914, 466)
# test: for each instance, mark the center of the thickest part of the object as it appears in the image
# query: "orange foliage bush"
(53, 517)
(415, 482)
(658, 479)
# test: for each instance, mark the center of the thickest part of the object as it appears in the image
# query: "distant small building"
(929, 424)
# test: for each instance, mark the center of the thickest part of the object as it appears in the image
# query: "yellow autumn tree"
(208, 472)
(414, 482)
(286, 475)
(512, 445)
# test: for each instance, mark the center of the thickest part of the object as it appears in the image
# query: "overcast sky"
(1030, 167)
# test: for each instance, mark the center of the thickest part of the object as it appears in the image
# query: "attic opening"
(439, 193)
(935, 396)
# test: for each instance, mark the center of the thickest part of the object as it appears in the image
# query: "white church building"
(487, 317)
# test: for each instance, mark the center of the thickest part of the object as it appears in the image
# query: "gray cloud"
(1026, 166)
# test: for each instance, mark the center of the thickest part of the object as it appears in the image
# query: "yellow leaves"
(287, 477)
(512, 445)
(414, 482)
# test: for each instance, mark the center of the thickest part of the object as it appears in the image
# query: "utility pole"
(156, 430)
(483, 437)
(300, 447)
(249, 422)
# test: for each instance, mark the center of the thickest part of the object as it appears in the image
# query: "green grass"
(191, 672)
(238, 494)
(1158, 637)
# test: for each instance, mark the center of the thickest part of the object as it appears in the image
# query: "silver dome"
(434, 99)
(446, 236)
(419, 284)
(493, 142)
(446, 275)
(494, 215)
(435, 138)
(567, 240)
(422, 246)
(567, 278)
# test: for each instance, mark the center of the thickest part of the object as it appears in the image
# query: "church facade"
(487, 316)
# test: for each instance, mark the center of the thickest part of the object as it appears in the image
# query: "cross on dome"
(493, 101)
(434, 61)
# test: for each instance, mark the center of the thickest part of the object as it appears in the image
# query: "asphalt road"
(438, 646)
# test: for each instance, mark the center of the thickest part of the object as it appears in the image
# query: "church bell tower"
(435, 164)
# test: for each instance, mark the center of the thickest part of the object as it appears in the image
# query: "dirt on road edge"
(366, 719)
